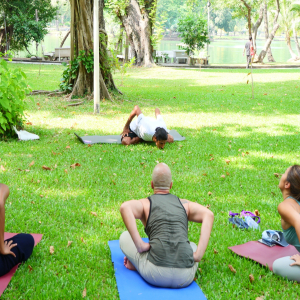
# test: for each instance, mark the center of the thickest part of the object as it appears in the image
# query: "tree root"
(42, 92)
(76, 104)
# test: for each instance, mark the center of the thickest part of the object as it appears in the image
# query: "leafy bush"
(13, 89)
(193, 31)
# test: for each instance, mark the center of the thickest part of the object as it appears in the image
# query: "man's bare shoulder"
(184, 201)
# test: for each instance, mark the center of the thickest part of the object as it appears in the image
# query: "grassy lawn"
(215, 111)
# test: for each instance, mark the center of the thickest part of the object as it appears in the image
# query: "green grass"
(215, 111)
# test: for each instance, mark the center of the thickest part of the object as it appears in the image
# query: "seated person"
(145, 129)
(289, 210)
(169, 259)
(16, 249)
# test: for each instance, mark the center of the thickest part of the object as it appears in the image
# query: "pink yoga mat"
(263, 254)
(5, 279)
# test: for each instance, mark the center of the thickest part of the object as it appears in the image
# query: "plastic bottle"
(251, 222)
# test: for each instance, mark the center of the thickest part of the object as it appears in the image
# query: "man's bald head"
(162, 177)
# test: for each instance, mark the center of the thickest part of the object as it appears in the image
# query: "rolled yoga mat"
(263, 254)
(132, 286)
(116, 139)
(5, 279)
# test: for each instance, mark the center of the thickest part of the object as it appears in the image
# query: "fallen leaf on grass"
(256, 212)
(227, 174)
(227, 161)
(75, 165)
(46, 168)
(251, 278)
(215, 251)
(212, 158)
(68, 147)
(69, 243)
(207, 206)
(82, 240)
(260, 298)
(31, 164)
(204, 174)
(265, 94)
(277, 175)
(2, 168)
(232, 269)
(66, 171)
(28, 123)
(51, 249)
(209, 193)
(84, 293)
(30, 268)
(243, 154)
(223, 176)
(94, 213)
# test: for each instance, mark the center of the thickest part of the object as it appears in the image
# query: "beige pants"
(156, 275)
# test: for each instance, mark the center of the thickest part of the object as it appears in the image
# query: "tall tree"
(137, 18)
(18, 24)
(82, 47)
(287, 19)
(296, 9)
(270, 38)
(266, 27)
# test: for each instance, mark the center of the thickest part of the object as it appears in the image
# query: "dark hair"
(293, 177)
(161, 134)
(250, 38)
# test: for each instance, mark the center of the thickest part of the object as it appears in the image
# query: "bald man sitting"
(169, 259)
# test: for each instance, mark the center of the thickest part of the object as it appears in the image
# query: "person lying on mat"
(289, 210)
(169, 259)
(16, 249)
(145, 129)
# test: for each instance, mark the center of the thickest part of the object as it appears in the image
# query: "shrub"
(193, 32)
(13, 91)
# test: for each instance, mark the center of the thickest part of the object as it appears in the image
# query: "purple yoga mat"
(5, 279)
(263, 254)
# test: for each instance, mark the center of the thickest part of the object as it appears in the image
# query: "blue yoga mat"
(132, 286)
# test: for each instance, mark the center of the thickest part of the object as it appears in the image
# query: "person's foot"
(128, 264)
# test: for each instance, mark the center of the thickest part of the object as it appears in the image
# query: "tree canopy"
(22, 28)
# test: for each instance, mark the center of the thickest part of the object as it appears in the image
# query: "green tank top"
(290, 234)
(167, 229)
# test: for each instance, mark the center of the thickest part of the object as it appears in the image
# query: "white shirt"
(144, 127)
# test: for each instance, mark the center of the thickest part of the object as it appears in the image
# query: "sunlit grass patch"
(214, 110)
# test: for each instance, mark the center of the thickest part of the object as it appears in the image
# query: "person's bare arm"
(200, 214)
(135, 112)
(5, 248)
(290, 215)
(170, 139)
(130, 211)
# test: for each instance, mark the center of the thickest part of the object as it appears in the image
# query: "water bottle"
(251, 222)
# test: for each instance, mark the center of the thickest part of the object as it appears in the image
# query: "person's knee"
(123, 238)
(276, 266)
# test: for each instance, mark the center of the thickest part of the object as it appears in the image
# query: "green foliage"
(193, 31)
(20, 16)
(70, 72)
(13, 89)
(223, 19)
(117, 6)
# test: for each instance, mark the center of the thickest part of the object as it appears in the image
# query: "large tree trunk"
(266, 26)
(288, 42)
(296, 38)
(256, 26)
(248, 16)
(138, 27)
(268, 42)
(82, 39)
